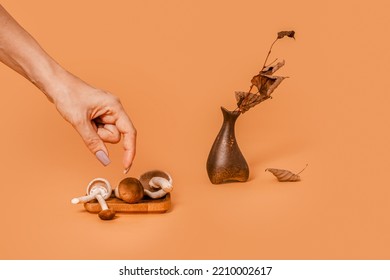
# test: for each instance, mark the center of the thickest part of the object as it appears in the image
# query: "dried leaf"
(266, 84)
(285, 175)
(247, 100)
(256, 81)
(264, 80)
(290, 34)
(272, 83)
(240, 95)
(253, 99)
(272, 68)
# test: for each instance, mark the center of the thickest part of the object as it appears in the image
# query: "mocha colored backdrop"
(173, 64)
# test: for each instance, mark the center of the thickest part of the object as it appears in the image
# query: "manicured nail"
(126, 170)
(102, 157)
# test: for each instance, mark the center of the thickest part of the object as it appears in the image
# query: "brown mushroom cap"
(107, 214)
(130, 190)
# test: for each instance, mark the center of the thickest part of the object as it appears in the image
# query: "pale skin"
(97, 115)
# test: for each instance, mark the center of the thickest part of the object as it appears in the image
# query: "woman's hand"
(97, 115)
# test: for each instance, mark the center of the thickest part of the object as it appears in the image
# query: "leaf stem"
(269, 52)
(270, 63)
(302, 169)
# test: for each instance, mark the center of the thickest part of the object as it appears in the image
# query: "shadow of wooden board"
(146, 205)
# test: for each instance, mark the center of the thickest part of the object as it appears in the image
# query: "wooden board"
(144, 206)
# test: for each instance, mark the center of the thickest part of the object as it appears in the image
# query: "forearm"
(97, 115)
(22, 53)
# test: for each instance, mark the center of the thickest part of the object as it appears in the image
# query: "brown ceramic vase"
(226, 162)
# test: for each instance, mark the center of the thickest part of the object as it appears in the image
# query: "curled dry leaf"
(285, 175)
(272, 83)
(247, 100)
(272, 68)
(266, 84)
(240, 96)
(290, 34)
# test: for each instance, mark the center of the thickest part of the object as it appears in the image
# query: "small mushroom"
(130, 190)
(107, 214)
(156, 183)
(101, 190)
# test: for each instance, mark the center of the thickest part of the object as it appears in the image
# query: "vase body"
(226, 162)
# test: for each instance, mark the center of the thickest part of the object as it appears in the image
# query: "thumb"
(93, 142)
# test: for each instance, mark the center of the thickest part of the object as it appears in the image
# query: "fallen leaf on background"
(285, 175)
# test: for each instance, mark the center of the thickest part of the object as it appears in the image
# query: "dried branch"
(265, 81)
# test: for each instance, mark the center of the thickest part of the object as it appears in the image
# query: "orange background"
(173, 64)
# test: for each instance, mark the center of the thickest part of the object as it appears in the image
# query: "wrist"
(63, 88)
(49, 78)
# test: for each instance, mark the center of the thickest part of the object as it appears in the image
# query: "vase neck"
(230, 116)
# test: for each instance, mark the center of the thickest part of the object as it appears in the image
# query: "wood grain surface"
(144, 206)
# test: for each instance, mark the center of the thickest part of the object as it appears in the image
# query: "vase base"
(226, 176)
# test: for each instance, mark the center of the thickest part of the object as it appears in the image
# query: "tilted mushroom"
(129, 190)
(101, 190)
(156, 183)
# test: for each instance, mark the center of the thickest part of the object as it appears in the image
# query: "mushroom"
(156, 183)
(101, 190)
(130, 190)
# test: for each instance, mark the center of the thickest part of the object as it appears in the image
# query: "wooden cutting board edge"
(161, 205)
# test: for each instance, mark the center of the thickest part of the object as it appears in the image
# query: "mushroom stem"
(163, 185)
(102, 202)
(83, 199)
(159, 182)
(157, 194)
(156, 183)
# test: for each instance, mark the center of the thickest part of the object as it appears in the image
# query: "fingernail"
(102, 157)
(126, 170)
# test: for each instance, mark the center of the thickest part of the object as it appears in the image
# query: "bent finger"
(109, 133)
(93, 141)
